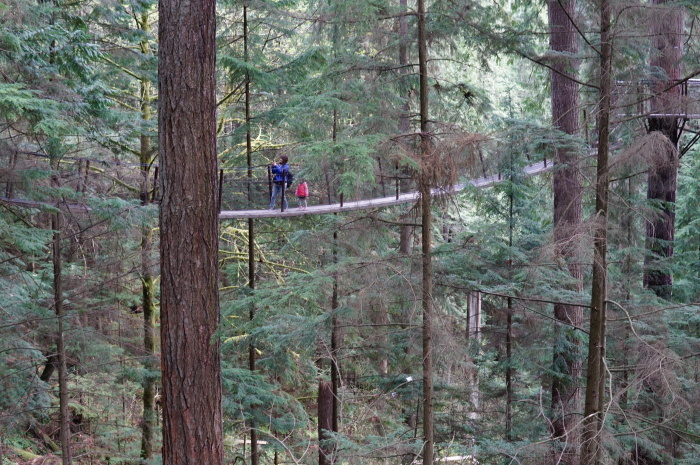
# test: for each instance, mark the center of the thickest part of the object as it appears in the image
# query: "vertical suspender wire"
(254, 453)
(381, 177)
(397, 181)
(269, 181)
(284, 190)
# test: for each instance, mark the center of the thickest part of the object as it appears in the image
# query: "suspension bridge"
(377, 202)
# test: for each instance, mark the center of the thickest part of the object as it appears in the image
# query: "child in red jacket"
(302, 193)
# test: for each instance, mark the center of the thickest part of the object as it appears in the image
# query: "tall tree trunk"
(192, 415)
(64, 412)
(147, 279)
(426, 231)
(254, 452)
(404, 118)
(335, 342)
(405, 230)
(426, 297)
(325, 422)
(595, 377)
(509, 371)
(668, 26)
(667, 50)
(473, 330)
(509, 320)
(336, 334)
(567, 189)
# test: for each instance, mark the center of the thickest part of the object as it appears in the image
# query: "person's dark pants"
(277, 190)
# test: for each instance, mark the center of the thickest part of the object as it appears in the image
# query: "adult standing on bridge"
(282, 177)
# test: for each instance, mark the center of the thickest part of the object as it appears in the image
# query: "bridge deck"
(366, 204)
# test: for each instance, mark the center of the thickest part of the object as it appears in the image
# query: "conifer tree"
(667, 39)
(591, 441)
(192, 417)
(567, 220)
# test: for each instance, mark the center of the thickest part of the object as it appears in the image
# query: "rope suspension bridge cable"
(366, 204)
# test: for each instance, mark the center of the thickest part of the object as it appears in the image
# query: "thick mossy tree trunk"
(591, 450)
(567, 191)
(667, 46)
(191, 370)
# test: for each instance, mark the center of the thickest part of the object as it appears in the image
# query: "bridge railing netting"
(241, 192)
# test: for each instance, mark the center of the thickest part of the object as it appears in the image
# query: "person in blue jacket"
(281, 176)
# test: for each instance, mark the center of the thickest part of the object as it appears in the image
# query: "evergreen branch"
(580, 32)
(403, 325)
(241, 257)
(3, 202)
(124, 147)
(124, 184)
(234, 91)
(125, 92)
(654, 425)
(507, 296)
(652, 312)
(523, 54)
(122, 68)
(125, 105)
(541, 62)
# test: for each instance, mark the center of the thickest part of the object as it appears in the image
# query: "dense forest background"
(324, 318)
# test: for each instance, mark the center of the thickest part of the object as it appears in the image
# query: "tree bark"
(509, 371)
(325, 422)
(426, 231)
(336, 334)
(192, 412)
(567, 189)
(509, 323)
(64, 412)
(335, 342)
(595, 377)
(667, 50)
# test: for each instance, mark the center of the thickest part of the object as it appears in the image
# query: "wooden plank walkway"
(529, 170)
